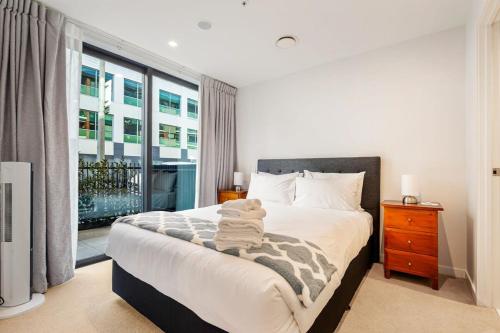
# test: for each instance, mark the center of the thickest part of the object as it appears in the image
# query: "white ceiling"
(240, 50)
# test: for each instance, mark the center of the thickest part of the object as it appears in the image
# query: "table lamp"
(238, 180)
(409, 189)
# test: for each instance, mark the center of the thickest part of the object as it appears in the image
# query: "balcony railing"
(89, 90)
(108, 190)
(170, 110)
(132, 101)
(193, 115)
(169, 143)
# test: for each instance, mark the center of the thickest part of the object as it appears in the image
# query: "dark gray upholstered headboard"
(370, 200)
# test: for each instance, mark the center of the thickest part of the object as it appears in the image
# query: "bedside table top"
(399, 204)
(233, 191)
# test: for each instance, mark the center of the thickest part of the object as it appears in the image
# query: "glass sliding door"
(174, 144)
(110, 149)
(138, 145)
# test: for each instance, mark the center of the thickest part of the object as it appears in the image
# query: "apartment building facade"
(174, 119)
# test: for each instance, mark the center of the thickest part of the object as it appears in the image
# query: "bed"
(183, 287)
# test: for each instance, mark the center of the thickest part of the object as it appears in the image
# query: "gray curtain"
(33, 127)
(218, 138)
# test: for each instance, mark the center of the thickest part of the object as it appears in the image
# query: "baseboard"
(452, 271)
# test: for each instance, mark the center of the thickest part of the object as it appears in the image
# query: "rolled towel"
(241, 225)
(238, 213)
(243, 204)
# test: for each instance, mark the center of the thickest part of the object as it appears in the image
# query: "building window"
(170, 103)
(192, 108)
(170, 136)
(110, 77)
(90, 81)
(88, 125)
(132, 93)
(192, 139)
(131, 130)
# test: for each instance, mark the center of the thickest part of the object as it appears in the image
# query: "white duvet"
(231, 293)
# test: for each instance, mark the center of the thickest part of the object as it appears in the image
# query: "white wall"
(405, 103)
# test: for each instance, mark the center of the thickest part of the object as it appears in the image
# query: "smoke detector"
(286, 42)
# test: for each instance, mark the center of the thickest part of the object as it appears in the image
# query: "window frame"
(147, 109)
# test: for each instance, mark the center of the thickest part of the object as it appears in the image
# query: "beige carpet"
(401, 304)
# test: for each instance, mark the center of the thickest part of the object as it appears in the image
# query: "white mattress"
(234, 294)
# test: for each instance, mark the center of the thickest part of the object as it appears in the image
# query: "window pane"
(192, 108)
(90, 81)
(170, 103)
(174, 150)
(170, 136)
(110, 171)
(132, 93)
(192, 136)
(89, 125)
(131, 130)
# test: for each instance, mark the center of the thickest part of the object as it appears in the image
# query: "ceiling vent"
(286, 42)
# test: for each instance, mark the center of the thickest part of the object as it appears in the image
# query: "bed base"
(172, 317)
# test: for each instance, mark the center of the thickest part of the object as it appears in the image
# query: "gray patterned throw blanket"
(301, 263)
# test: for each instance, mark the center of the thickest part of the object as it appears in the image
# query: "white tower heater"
(16, 240)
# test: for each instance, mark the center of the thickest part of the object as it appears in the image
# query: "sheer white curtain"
(73, 72)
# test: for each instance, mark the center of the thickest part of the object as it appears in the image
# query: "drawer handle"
(409, 219)
(409, 242)
(409, 263)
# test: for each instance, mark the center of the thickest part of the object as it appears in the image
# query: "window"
(88, 125)
(132, 94)
(109, 77)
(170, 103)
(192, 108)
(90, 81)
(170, 136)
(192, 139)
(131, 130)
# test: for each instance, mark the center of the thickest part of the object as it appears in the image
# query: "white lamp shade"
(238, 178)
(409, 185)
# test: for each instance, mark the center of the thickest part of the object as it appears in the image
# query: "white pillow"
(276, 188)
(358, 178)
(329, 193)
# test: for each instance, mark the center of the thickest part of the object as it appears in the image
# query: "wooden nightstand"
(225, 195)
(411, 239)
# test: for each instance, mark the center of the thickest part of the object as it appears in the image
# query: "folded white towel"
(243, 204)
(233, 212)
(230, 224)
(222, 243)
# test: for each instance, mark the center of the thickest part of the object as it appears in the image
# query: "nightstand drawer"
(417, 264)
(416, 242)
(229, 196)
(408, 219)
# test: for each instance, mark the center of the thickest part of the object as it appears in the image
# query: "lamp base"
(238, 188)
(409, 199)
